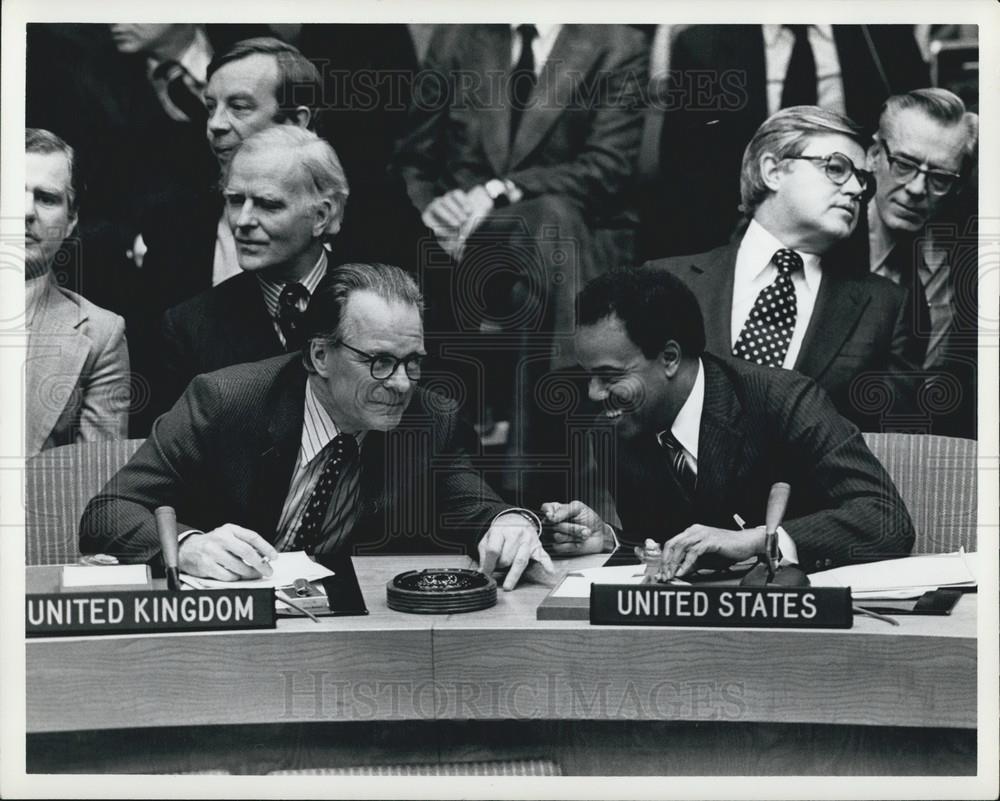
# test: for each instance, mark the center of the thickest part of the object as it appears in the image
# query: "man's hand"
(449, 211)
(578, 529)
(227, 553)
(512, 541)
(455, 215)
(713, 547)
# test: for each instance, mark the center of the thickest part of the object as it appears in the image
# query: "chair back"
(58, 484)
(936, 477)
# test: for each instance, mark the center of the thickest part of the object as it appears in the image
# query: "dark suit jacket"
(946, 393)
(220, 327)
(226, 451)
(856, 336)
(577, 138)
(758, 426)
(716, 99)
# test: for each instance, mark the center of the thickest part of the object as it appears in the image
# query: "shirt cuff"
(789, 553)
(185, 534)
(527, 514)
(611, 543)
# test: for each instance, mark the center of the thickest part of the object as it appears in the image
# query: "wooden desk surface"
(502, 663)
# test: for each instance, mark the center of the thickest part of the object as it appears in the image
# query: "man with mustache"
(774, 298)
(77, 365)
(332, 449)
(698, 439)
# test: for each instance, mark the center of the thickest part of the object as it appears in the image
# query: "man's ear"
(771, 171)
(74, 218)
(328, 216)
(872, 155)
(319, 349)
(302, 116)
(670, 358)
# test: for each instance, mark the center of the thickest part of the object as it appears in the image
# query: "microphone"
(166, 526)
(768, 571)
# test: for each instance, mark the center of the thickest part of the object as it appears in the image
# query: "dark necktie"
(768, 330)
(683, 471)
(800, 80)
(310, 535)
(916, 347)
(180, 93)
(290, 314)
(523, 78)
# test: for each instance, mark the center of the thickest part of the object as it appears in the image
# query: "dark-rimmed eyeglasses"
(839, 169)
(383, 366)
(939, 182)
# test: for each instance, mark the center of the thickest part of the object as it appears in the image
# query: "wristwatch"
(497, 190)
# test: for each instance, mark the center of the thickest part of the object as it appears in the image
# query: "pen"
(860, 610)
(297, 608)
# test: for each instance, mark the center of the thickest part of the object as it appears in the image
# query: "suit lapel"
(720, 439)
(839, 304)
(280, 448)
(711, 279)
(569, 60)
(57, 352)
(493, 49)
(249, 330)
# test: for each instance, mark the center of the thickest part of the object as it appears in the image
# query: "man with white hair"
(285, 194)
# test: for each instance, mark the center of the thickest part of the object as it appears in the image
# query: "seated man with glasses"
(773, 297)
(917, 234)
(332, 449)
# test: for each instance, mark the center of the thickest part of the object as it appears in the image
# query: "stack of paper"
(288, 567)
(577, 584)
(902, 578)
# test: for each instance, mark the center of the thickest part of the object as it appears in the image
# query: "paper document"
(289, 565)
(902, 578)
(577, 584)
(104, 575)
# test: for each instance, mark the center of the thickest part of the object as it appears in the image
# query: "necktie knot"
(291, 295)
(787, 261)
(527, 32)
(290, 313)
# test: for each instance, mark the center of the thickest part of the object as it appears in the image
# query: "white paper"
(289, 566)
(901, 578)
(577, 584)
(103, 575)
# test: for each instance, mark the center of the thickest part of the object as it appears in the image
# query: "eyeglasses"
(383, 366)
(939, 182)
(839, 169)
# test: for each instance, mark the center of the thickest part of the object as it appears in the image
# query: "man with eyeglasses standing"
(773, 298)
(333, 450)
(914, 235)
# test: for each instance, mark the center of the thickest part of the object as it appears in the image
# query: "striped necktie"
(685, 474)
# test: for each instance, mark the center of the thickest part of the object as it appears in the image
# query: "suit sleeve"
(845, 507)
(604, 165)
(171, 468)
(420, 155)
(466, 501)
(105, 401)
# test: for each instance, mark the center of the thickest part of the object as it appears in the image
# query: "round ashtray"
(441, 591)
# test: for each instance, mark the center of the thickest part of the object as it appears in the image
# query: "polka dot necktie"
(310, 535)
(768, 330)
(290, 314)
(678, 462)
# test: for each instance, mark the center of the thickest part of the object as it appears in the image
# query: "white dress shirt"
(754, 271)
(778, 44)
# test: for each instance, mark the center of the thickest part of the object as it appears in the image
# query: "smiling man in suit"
(77, 365)
(698, 438)
(773, 298)
(333, 449)
(285, 194)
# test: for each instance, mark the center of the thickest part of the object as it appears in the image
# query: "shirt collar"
(318, 428)
(546, 31)
(758, 247)
(772, 32)
(272, 289)
(195, 59)
(687, 424)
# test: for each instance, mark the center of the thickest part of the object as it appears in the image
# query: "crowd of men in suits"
(231, 172)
